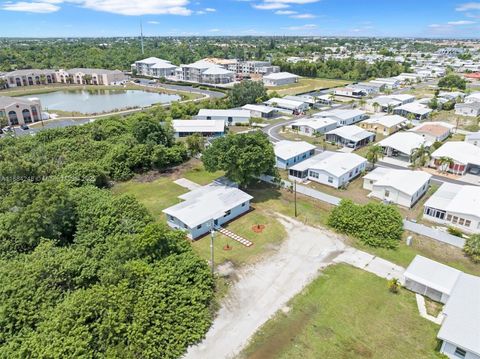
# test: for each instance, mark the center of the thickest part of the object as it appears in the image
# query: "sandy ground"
(265, 287)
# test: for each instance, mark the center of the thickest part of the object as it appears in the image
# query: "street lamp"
(212, 237)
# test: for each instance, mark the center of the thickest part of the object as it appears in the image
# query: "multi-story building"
(205, 71)
(81, 76)
(19, 111)
(30, 77)
(154, 67)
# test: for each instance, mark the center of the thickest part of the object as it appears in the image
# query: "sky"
(104, 18)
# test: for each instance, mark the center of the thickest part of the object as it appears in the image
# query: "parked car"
(24, 127)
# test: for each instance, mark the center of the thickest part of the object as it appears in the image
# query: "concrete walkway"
(186, 183)
(371, 263)
(422, 309)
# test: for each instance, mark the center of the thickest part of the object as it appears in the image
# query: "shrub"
(472, 248)
(393, 285)
(455, 232)
(375, 224)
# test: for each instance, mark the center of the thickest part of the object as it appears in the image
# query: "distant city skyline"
(367, 18)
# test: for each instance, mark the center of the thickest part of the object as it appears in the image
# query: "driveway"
(264, 288)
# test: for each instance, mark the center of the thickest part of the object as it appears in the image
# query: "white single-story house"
(385, 125)
(260, 111)
(473, 138)
(431, 279)
(211, 205)
(290, 105)
(230, 117)
(451, 95)
(465, 156)
(289, 153)
(206, 128)
(333, 169)
(391, 82)
(280, 78)
(473, 97)
(455, 205)
(401, 145)
(403, 187)
(420, 111)
(434, 131)
(381, 104)
(460, 328)
(342, 116)
(302, 98)
(471, 109)
(314, 125)
(350, 136)
(350, 91)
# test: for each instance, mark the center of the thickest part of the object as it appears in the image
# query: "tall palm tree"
(444, 163)
(420, 156)
(375, 105)
(362, 102)
(374, 153)
(331, 96)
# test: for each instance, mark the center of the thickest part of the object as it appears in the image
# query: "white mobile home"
(230, 117)
(289, 153)
(207, 206)
(343, 117)
(290, 105)
(313, 126)
(206, 128)
(465, 156)
(260, 111)
(350, 136)
(403, 187)
(401, 145)
(455, 205)
(333, 169)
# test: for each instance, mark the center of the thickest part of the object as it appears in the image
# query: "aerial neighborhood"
(236, 194)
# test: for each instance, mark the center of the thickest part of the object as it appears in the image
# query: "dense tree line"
(346, 69)
(86, 274)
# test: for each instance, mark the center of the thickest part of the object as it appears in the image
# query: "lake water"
(100, 101)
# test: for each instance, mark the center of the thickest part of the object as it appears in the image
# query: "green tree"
(452, 81)
(243, 157)
(444, 163)
(420, 156)
(247, 92)
(195, 144)
(374, 154)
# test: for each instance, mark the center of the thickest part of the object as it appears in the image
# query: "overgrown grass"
(346, 313)
(306, 84)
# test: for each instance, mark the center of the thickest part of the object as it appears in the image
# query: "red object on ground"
(227, 248)
(258, 228)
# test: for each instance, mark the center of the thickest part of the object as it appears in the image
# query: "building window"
(461, 221)
(460, 353)
(387, 193)
(468, 223)
(330, 179)
(199, 226)
(350, 174)
(227, 213)
(455, 219)
(243, 204)
(449, 217)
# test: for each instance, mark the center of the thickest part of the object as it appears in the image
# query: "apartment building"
(19, 111)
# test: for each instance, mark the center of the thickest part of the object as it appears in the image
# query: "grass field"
(347, 313)
(306, 84)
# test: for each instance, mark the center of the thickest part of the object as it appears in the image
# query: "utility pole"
(295, 196)
(141, 37)
(212, 237)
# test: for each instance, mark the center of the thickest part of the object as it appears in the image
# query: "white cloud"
(210, 9)
(460, 22)
(469, 6)
(303, 16)
(121, 7)
(285, 12)
(270, 6)
(214, 30)
(36, 7)
(298, 2)
(303, 27)
(153, 22)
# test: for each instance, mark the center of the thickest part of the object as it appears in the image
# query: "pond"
(101, 101)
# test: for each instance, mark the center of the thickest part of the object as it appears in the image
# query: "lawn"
(155, 195)
(346, 313)
(306, 84)
(463, 122)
